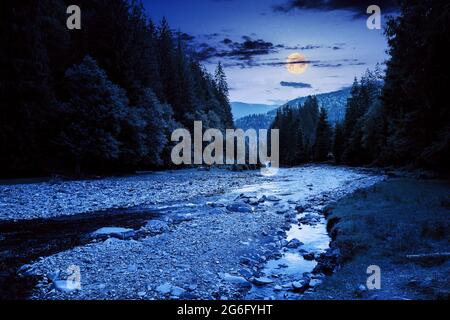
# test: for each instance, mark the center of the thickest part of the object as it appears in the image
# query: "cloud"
(243, 52)
(297, 85)
(359, 7)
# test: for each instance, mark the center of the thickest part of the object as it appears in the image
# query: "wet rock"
(120, 233)
(65, 286)
(262, 199)
(232, 279)
(294, 244)
(261, 281)
(282, 210)
(246, 273)
(156, 227)
(327, 262)
(299, 286)
(277, 288)
(240, 207)
(215, 204)
(253, 201)
(314, 283)
(309, 256)
(273, 199)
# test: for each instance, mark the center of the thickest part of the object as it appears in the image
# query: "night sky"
(253, 39)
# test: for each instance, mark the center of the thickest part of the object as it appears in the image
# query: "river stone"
(262, 281)
(294, 244)
(164, 289)
(236, 280)
(309, 256)
(299, 285)
(314, 283)
(273, 199)
(240, 207)
(177, 291)
(65, 286)
(121, 233)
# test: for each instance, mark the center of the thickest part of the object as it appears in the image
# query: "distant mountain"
(334, 102)
(241, 109)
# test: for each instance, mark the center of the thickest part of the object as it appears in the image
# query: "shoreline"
(357, 242)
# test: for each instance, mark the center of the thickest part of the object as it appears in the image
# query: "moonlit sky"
(337, 44)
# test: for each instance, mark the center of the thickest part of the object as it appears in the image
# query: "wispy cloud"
(297, 85)
(357, 7)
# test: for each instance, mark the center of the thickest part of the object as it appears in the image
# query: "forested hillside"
(333, 102)
(406, 122)
(103, 98)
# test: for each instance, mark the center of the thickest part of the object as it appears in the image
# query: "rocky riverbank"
(260, 240)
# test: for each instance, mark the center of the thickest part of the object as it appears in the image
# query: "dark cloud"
(248, 48)
(358, 7)
(328, 65)
(243, 51)
(297, 85)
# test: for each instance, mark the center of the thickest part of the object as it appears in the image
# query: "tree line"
(400, 118)
(101, 99)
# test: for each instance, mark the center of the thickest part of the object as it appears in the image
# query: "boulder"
(294, 244)
(236, 280)
(273, 199)
(309, 256)
(240, 207)
(314, 283)
(299, 286)
(261, 281)
(121, 233)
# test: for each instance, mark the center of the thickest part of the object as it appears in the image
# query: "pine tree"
(338, 142)
(322, 146)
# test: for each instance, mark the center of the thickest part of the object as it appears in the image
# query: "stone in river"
(309, 256)
(240, 207)
(294, 244)
(314, 283)
(122, 233)
(299, 285)
(262, 281)
(273, 199)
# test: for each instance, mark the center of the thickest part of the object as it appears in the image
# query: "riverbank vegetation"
(400, 225)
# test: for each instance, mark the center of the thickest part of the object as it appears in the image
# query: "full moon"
(296, 63)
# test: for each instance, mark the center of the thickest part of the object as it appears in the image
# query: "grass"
(381, 226)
